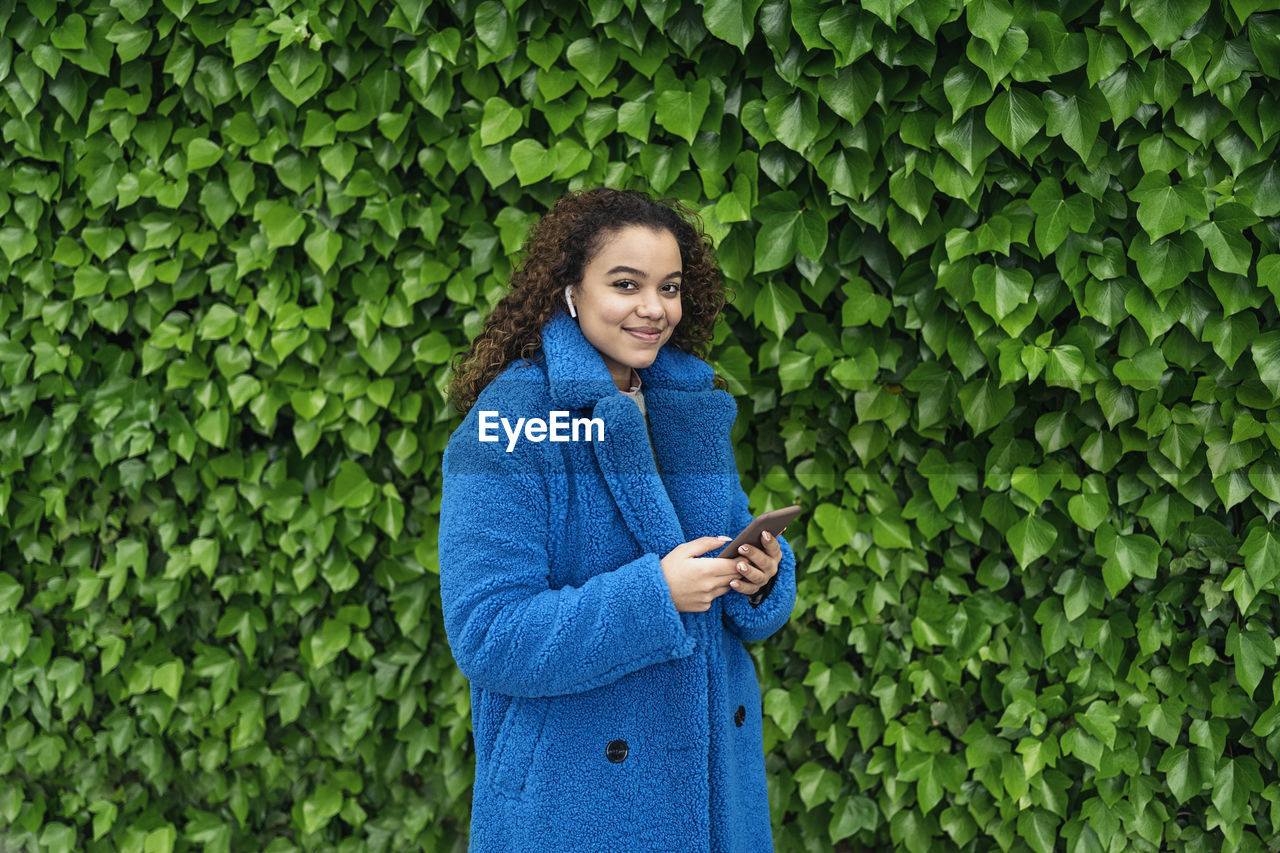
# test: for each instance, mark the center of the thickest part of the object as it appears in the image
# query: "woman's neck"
(624, 380)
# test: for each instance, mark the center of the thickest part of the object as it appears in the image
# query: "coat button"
(616, 751)
(739, 716)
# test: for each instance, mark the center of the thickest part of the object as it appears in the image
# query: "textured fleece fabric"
(558, 613)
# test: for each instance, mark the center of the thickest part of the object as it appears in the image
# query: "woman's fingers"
(757, 565)
(761, 559)
(752, 573)
(771, 545)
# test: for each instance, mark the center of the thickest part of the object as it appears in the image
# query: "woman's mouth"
(648, 336)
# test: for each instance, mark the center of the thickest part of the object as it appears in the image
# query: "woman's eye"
(675, 288)
(624, 283)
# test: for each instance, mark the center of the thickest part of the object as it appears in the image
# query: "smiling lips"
(648, 334)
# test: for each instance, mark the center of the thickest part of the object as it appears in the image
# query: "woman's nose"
(650, 305)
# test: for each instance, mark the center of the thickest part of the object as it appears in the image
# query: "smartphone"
(773, 521)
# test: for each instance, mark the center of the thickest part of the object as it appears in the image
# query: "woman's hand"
(757, 565)
(696, 581)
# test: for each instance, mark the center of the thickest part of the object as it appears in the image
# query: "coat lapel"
(691, 436)
(690, 422)
(627, 465)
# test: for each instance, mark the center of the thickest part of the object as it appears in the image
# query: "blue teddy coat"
(604, 719)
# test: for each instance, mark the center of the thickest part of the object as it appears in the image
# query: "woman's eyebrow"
(637, 273)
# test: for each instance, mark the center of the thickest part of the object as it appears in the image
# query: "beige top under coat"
(636, 394)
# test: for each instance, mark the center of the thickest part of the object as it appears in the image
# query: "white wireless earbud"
(568, 291)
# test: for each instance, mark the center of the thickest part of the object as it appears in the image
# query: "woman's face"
(628, 301)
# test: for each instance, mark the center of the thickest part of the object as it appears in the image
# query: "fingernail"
(724, 538)
(733, 584)
(742, 567)
(742, 549)
(765, 536)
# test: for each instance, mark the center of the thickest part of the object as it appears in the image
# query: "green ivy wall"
(1005, 324)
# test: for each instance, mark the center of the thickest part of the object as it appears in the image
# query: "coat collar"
(689, 420)
(579, 377)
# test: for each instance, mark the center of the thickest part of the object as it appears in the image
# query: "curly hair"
(555, 252)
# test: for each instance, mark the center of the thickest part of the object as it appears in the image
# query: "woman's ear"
(568, 298)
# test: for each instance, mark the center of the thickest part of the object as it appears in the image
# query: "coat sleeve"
(756, 622)
(508, 630)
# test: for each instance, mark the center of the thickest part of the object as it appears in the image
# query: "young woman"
(614, 706)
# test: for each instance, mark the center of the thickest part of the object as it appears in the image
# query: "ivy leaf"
(984, 404)
(167, 678)
(785, 707)
(1073, 117)
(1166, 20)
(989, 20)
(1144, 370)
(946, 477)
(1168, 262)
(1039, 828)
(1229, 250)
(1253, 652)
(493, 25)
(1182, 773)
(1031, 538)
(1123, 91)
(838, 526)
(381, 352)
(848, 30)
(281, 222)
(731, 20)
(793, 119)
(851, 815)
(663, 164)
(886, 10)
(213, 426)
(70, 34)
(1014, 117)
(1231, 336)
(1260, 188)
(1264, 38)
(246, 42)
(1001, 291)
(297, 73)
(785, 229)
(1261, 552)
(1132, 555)
(968, 141)
(499, 121)
(351, 487)
(323, 246)
(321, 807)
(1266, 358)
(680, 111)
(1164, 207)
(776, 307)
(816, 784)
(217, 202)
(592, 59)
(17, 243)
(1265, 477)
(998, 63)
(965, 86)
(851, 92)
(218, 322)
(1234, 784)
(202, 153)
(912, 192)
(532, 162)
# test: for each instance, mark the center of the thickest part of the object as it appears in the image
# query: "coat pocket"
(517, 744)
